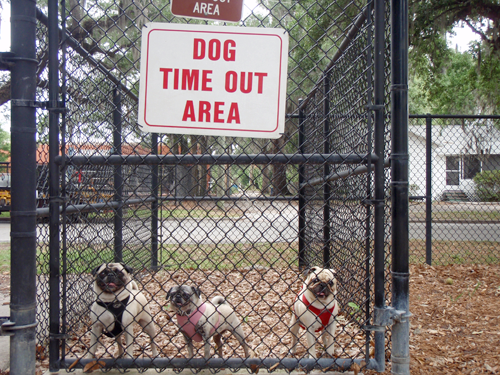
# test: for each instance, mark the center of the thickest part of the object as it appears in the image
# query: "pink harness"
(188, 323)
(324, 315)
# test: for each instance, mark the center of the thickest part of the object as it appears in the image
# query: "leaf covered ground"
(455, 328)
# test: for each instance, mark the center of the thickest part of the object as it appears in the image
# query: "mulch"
(455, 327)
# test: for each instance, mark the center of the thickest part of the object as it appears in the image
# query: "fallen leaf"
(74, 364)
(274, 366)
(355, 368)
(94, 365)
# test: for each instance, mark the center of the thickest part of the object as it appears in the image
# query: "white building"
(458, 154)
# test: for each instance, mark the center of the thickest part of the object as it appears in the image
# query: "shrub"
(488, 186)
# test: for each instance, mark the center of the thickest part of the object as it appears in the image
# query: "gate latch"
(7, 328)
(387, 316)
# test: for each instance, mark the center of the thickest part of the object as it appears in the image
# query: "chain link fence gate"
(240, 218)
(454, 180)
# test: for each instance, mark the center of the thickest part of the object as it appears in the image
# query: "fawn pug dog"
(199, 320)
(119, 304)
(315, 309)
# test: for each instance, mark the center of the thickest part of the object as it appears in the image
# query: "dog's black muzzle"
(109, 280)
(322, 290)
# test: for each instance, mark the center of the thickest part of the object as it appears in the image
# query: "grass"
(229, 256)
(81, 258)
(456, 252)
(4, 257)
(465, 216)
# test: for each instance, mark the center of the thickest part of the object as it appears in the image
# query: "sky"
(4, 27)
(464, 35)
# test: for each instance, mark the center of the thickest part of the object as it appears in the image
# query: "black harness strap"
(116, 308)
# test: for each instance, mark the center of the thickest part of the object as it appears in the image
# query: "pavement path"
(271, 229)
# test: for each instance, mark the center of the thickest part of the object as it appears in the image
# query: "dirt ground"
(455, 328)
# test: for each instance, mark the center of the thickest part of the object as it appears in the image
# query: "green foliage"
(453, 84)
(488, 186)
(4, 145)
(443, 81)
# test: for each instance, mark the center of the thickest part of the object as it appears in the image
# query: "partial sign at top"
(221, 10)
(213, 80)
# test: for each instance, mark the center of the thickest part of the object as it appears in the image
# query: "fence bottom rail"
(269, 364)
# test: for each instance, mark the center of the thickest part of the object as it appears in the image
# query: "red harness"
(324, 315)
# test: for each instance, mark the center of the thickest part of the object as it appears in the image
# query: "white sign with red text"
(213, 80)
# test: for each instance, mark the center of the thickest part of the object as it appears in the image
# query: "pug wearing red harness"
(199, 321)
(315, 309)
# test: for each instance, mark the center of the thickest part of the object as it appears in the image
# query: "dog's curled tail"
(219, 300)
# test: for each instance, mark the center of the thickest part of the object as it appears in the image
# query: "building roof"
(88, 149)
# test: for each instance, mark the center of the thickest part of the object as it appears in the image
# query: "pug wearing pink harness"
(199, 321)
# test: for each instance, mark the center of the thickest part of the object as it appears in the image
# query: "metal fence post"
(400, 356)
(428, 190)
(154, 205)
(118, 175)
(23, 203)
(302, 199)
(54, 189)
(379, 175)
(326, 172)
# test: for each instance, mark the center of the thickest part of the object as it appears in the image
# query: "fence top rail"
(457, 116)
(217, 159)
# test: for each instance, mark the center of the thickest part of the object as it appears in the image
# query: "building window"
(491, 163)
(472, 166)
(452, 170)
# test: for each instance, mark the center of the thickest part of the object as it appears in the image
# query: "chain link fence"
(454, 189)
(240, 218)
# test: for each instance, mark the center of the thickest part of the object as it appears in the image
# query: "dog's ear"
(308, 271)
(197, 291)
(94, 271)
(127, 268)
(169, 293)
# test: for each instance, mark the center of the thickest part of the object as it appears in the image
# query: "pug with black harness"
(119, 304)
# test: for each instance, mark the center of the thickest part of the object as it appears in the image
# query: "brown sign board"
(220, 10)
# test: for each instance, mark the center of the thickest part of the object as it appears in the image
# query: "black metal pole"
(400, 355)
(369, 195)
(302, 191)
(428, 190)
(23, 188)
(379, 183)
(154, 205)
(326, 172)
(118, 176)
